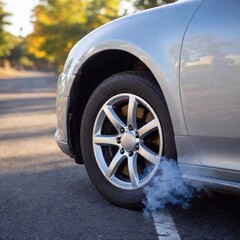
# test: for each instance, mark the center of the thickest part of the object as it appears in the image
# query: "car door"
(210, 83)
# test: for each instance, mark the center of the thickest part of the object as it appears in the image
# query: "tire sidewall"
(117, 84)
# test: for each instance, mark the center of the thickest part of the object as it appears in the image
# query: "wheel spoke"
(105, 140)
(133, 172)
(132, 112)
(112, 116)
(148, 154)
(115, 163)
(122, 155)
(147, 128)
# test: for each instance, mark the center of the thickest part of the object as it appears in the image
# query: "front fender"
(155, 37)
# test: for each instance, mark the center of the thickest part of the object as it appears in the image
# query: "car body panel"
(212, 178)
(210, 83)
(139, 39)
(115, 35)
(156, 37)
(61, 134)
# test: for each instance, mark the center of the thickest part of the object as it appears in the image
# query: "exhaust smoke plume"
(168, 188)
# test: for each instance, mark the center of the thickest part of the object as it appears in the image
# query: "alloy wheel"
(127, 141)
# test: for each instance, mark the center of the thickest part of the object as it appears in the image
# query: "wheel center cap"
(128, 141)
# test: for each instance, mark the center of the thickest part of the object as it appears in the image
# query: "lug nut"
(137, 135)
(137, 146)
(122, 130)
(130, 128)
(118, 140)
(122, 151)
(130, 154)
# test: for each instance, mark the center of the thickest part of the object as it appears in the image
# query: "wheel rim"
(127, 141)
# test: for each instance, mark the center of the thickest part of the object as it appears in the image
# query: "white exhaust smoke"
(168, 188)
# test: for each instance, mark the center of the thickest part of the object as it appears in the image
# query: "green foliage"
(26, 63)
(4, 37)
(3, 16)
(59, 24)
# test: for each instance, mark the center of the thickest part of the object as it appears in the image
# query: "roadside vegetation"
(58, 25)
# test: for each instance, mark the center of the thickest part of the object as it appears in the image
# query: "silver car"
(162, 82)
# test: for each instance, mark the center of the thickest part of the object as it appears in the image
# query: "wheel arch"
(94, 71)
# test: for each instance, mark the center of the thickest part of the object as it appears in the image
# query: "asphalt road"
(45, 195)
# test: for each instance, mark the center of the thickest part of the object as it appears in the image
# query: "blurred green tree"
(58, 24)
(4, 36)
(19, 56)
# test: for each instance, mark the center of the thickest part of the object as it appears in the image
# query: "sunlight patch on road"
(18, 96)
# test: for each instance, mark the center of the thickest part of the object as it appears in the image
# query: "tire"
(122, 146)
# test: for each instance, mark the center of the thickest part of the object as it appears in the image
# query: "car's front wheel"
(125, 130)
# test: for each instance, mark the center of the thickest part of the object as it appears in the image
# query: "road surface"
(45, 195)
